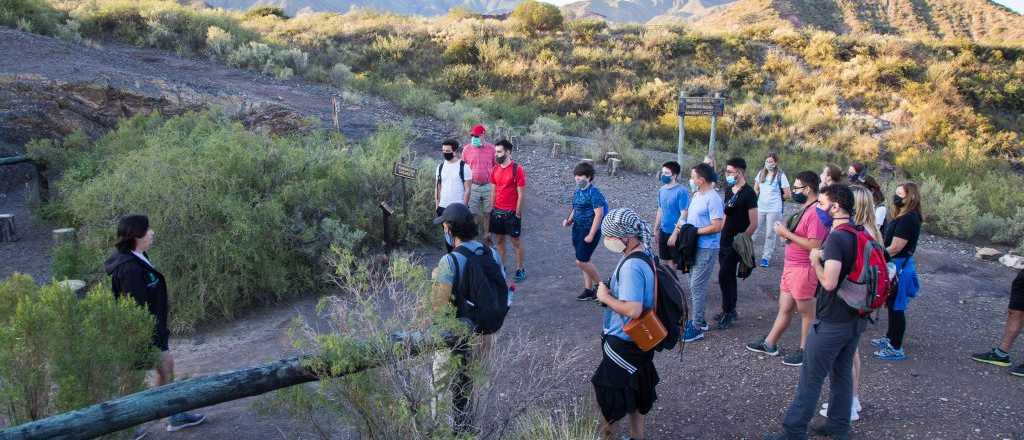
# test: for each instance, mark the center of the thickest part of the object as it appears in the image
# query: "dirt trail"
(719, 390)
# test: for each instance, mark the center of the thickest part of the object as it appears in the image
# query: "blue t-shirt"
(633, 280)
(584, 202)
(672, 202)
(705, 207)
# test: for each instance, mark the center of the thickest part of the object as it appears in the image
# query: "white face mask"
(769, 166)
(615, 245)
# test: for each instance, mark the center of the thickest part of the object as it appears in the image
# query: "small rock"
(986, 253)
(1014, 261)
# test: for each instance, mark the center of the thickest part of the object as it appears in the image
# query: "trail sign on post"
(699, 106)
(404, 172)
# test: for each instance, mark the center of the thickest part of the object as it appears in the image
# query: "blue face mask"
(824, 216)
(693, 186)
(730, 180)
(448, 238)
(665, 180)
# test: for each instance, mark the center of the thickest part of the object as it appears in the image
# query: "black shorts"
(505, 223)
(619, 391)
(1017, 292)
(666, 252)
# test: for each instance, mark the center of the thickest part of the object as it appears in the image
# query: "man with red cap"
(480, 157)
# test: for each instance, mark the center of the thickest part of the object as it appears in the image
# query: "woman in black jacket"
(132, 273)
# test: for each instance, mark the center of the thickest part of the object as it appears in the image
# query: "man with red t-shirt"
(480, 157)
(509, 181)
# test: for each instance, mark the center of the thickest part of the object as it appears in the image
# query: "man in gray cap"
(469, 260)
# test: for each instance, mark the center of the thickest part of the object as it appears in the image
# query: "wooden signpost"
(404, 172)
(699, 106)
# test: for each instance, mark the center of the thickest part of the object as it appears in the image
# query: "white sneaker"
(856, 405)
(854, 410)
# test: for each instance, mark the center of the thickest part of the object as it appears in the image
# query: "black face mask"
(449, 156)
(501, 159)
(800, 198)
(897, 201)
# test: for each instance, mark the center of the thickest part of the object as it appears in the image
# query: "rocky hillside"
(642, 11)
(406, 7)
(977, 20)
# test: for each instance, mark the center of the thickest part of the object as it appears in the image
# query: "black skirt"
(626, 379)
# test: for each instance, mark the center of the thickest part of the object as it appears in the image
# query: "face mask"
(824, 216)
(476, 142)
(449, 156)
(448, 238)
(897, 201)
(769, 166)
(615, 245)
(693, 186)
(730, 180)
(501, 159)
(665, 180)
(800, 198)
(582, 183)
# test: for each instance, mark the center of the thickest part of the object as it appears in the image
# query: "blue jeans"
(700, 277)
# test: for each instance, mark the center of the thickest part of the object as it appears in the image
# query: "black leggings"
(728, 260)
(897, 327)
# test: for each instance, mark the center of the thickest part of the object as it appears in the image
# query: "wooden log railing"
(156, 403)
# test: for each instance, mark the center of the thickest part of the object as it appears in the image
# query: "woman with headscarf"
(625, 381)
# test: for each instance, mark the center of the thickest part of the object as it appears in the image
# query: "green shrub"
(536, 16)
(462, 52)
(59, 353)
(462, 113)
(1012, 231)
(243, 219)
(31, 16)
(955, 214)
(265, 11)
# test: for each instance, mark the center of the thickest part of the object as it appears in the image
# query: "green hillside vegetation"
(948, 113)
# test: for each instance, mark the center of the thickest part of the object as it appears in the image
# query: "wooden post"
(156, 403)
(614, 165)
(554, 149)
(336, 106)
(64, 235)
(7, 230)
(714, 128)
(682, 128)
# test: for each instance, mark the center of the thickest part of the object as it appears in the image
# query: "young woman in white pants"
(772, 187)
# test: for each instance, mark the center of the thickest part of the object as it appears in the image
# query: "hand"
(589, 239)
(816, 255)
(566, 222)
(603, 294)
(519, 215)
(781, 230)
(672, 239)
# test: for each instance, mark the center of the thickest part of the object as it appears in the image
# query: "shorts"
(481, 198)
(800, 282)
(505, 223)
(1017, 292)
(583, 249)
(666, 252)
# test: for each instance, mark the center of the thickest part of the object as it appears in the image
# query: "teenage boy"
(673, 199)
(740, 218)
(480, 157)
(706, 213)
(509, 183)
(454, 179)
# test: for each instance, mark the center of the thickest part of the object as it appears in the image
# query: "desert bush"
(409, 394)
(1011, 231)
(460, 112)
(462, 52)
(265, 11)
(955, 213)
(243, 219)
(31, 16)
(545, 130)
(536, 16)
(59, 353)
(615, 139)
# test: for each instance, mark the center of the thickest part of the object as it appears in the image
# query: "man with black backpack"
(833, 339)
(471, 282)
(454, 178)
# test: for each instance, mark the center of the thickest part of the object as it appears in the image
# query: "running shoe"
(764, 262)
(727, 320)
(1018, 370)
(184, 420)
(760, 346)
(587, 295)
(992, 357)
(882, 342)
(854, 411)
(692, 333)
(520, 275)
(794, 359)
(891, 354)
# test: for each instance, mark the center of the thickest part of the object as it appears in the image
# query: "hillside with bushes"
(948, 113)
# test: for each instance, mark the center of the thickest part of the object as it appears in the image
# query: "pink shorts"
(800, 282)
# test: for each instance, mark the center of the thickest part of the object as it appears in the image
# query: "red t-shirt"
(481, 161)
(505, 194)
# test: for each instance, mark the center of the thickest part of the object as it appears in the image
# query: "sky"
(1016, 5)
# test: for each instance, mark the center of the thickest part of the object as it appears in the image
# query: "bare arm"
(806, 243)
(752, 214)
(468, 188)
(787, 194)
(596, 224)
(716, 226)
(437, 196)
(519, 203)
(896, 246)
(828, 274)
(632, 309)
(657, 223)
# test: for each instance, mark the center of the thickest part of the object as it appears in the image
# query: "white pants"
(766, 224)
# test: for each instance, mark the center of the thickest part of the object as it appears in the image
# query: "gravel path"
(718, 391)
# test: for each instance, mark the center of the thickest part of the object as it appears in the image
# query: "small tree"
(536, 16)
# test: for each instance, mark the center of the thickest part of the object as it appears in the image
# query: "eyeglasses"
(799, 187)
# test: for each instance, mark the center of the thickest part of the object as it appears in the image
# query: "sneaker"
(760, 346)
(704, 326)
(891, 354)
(764, 262)
(692, 333)
(794, 359)
(854, 412)
(819, 427)
(991, 357)
(882, 342)
(520, 275)
(140, 432)
(184, 420)
(727, 320)
(856, 405)
(718, 316)
(587, 295)
(1018, 371)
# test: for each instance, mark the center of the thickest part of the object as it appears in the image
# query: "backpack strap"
(462, 170)
(439, 167)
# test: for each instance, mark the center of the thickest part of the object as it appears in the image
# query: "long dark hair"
(129, 229)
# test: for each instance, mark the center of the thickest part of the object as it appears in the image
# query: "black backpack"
(481, 294)
(673, 310)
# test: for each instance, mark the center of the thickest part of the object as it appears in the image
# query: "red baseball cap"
(478, 130)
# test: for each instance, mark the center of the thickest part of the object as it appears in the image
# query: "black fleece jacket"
(130, 275)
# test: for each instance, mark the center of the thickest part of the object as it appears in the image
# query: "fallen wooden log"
(156, 403)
